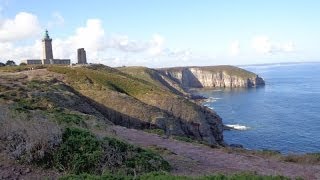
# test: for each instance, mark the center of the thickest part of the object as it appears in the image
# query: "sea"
(284, 115)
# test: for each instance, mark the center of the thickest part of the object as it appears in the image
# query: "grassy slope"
(115, 90)
(141, 87)
(141, 73)
(230, 70)
(108, 78)
(44, 123)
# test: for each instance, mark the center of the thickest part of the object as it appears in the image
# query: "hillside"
(133, 102)
(47, 128)
(56, 121)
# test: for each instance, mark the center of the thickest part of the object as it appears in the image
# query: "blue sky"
(164, 32)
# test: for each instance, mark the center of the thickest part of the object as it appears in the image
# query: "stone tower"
(47, 49)
(82, 57)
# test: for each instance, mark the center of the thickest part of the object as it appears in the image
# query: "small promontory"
(213, 76)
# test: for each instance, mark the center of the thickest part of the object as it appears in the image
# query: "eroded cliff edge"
(212, 76)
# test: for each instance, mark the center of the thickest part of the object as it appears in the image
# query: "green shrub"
(80, 152)
(106, 176)
(24, 105)
(68, 118)
(159, 132)
(130, 159)
(147, 161)
(182, 138)
(34, 84)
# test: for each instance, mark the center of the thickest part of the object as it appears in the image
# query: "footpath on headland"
(196, 159)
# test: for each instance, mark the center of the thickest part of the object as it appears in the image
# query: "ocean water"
(284, 115)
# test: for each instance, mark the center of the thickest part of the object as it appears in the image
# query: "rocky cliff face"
(210, 77)
(136, 102)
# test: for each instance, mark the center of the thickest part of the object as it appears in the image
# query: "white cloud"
(235, 48)
(91, 37)
(288, 47)
(57, 20)
(9, 51)
(123, 43)
(264, 45)
(156, 45)
(24, 25)
(112, 50)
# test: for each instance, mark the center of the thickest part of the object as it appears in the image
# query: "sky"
(163, 33)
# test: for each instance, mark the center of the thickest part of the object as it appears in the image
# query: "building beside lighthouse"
(82, 57)
(47, 56)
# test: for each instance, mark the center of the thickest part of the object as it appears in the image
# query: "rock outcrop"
(214, 76)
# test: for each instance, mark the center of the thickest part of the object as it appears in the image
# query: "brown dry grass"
(28, 138)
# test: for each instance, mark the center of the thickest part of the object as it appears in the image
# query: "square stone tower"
(47, 48)
(82, 57)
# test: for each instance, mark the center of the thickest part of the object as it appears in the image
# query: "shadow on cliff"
(189, 80)
(157, 77)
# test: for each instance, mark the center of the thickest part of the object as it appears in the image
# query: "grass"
(309, 158)
(231, 70)
(161, 150)
(20, 68)
(63, 117)
(143, 73)
(159, 132)
(166, 176)
(131, 160)
(107, 78)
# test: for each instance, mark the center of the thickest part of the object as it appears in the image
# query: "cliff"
(130, 100)
(213, 76)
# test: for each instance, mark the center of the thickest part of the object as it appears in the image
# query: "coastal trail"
(196, 159)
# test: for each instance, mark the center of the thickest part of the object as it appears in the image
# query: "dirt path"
(194, 159)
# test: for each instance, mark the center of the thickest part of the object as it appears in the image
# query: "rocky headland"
(57, 120)
(213, 77)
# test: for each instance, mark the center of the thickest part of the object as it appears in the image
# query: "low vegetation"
(165, 176)
(106, 78)
(79, 152)
(82, 152)
(42, 124)
(20, 68)
(309, 158)
(230, 70)
(161, 132)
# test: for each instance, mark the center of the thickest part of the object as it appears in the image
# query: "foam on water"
(237, 127)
